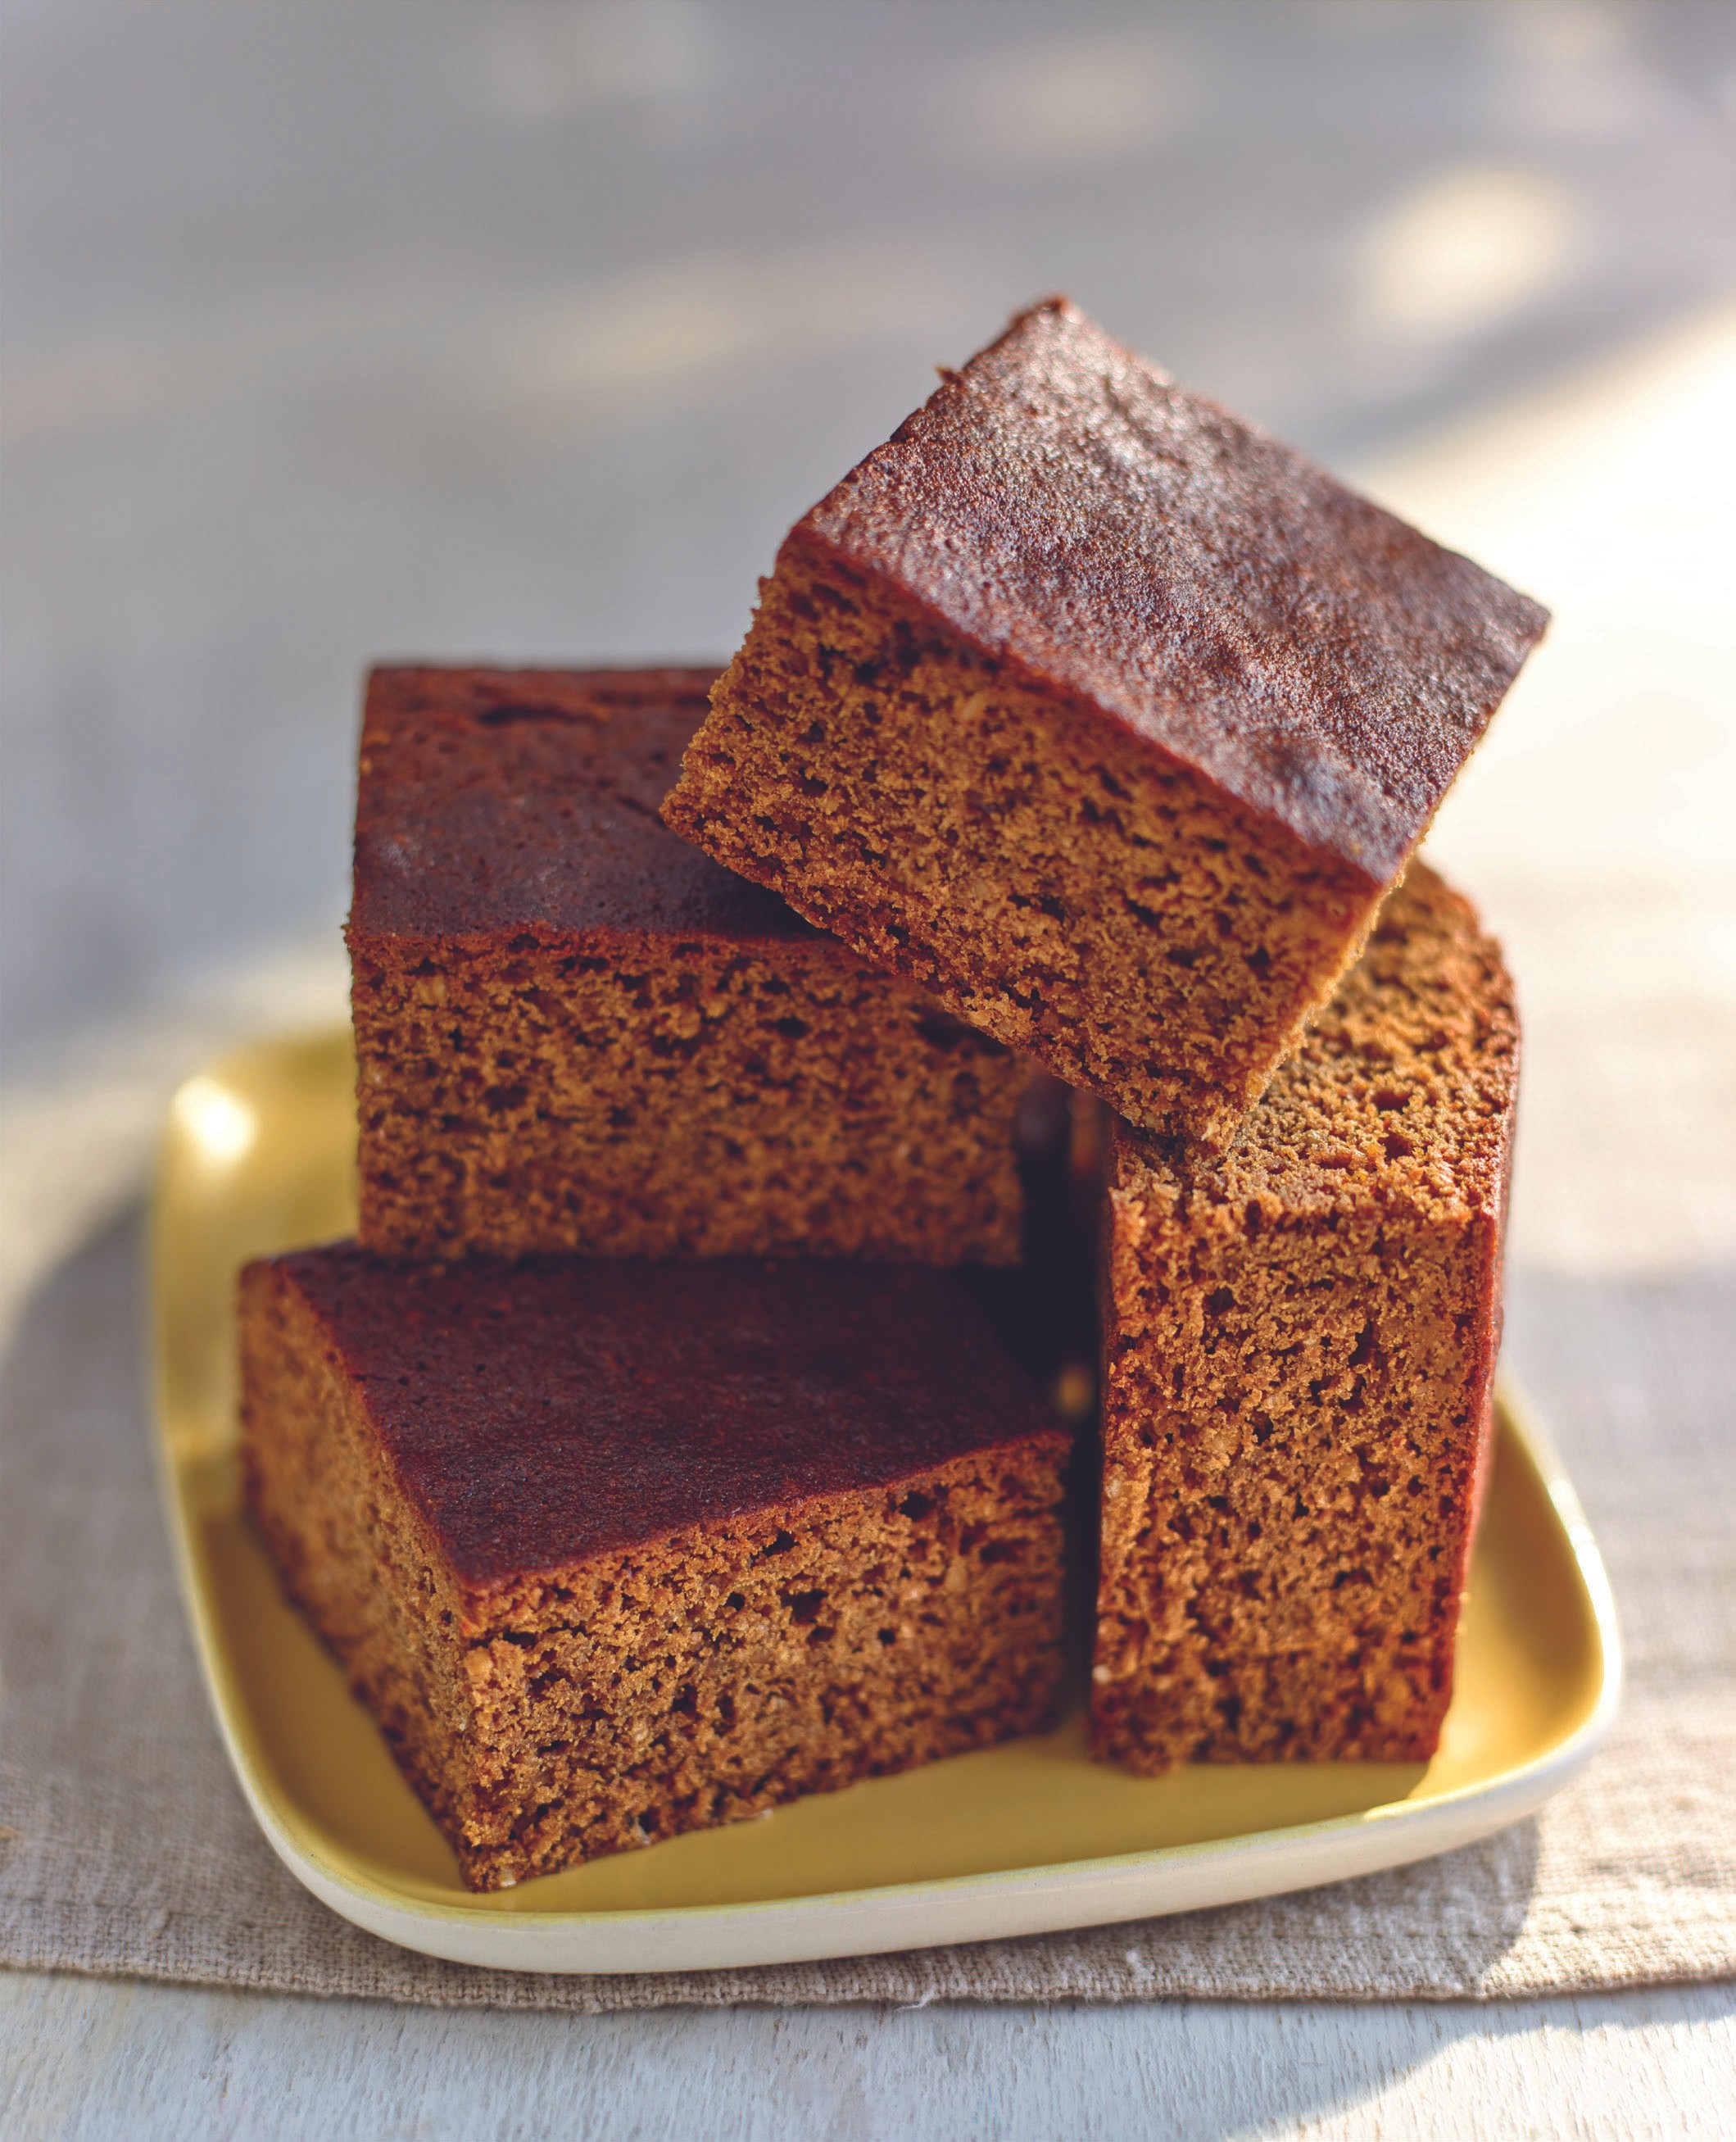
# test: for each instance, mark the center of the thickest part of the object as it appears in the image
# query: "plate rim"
(886, 1917)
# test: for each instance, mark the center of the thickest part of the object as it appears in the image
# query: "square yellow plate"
(1025, 1838)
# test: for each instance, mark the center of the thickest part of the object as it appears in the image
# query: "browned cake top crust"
(1065, 506)
(495, 801)
(545, 1414)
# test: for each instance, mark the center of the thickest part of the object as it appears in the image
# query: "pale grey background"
(523, 329)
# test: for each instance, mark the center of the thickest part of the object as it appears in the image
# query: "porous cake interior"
(695, 1679)
(1299, 1350)
(1058, 884)
(664, 1096)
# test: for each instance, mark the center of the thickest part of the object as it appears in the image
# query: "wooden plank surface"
(97, 2059)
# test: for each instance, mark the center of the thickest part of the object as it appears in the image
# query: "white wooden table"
(97, 2061)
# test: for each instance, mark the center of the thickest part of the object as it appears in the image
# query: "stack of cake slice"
(641, 1463)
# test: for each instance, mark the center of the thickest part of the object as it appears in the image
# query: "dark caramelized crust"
(1299, 1348)
(576, 1032)
(537, 1415)
(1102, 715)
(1066, 508)
(615, 1551)
(494, 802)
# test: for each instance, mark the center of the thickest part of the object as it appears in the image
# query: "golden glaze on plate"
(260, 1156)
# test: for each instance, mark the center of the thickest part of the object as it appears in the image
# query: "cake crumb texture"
(1299, 1349)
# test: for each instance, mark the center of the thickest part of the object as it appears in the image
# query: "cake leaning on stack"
(1102, 715)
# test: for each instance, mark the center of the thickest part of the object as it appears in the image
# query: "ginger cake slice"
(1299, 1347)
(576, 1033)
(614, 1551)
(1104, 715)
